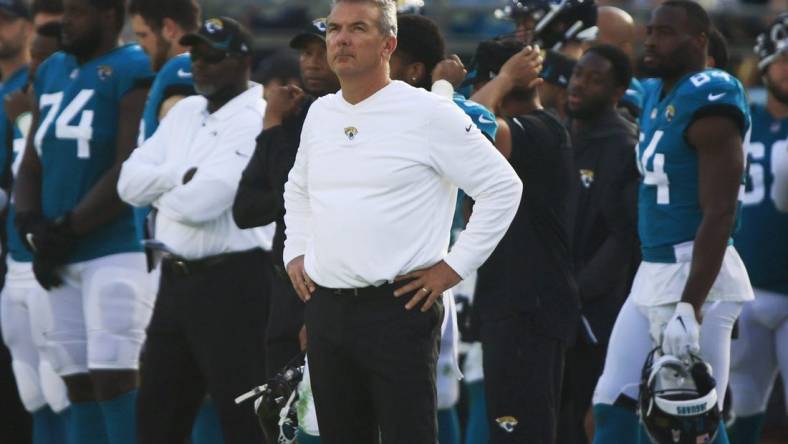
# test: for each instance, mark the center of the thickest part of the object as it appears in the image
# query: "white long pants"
(636, 333)
(760, 352)
(22, 303)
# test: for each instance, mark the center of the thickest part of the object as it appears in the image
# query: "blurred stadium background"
(466, 22)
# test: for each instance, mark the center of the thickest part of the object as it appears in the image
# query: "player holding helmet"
(691, 284)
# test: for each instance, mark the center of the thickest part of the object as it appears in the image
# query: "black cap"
(491, 55)
(315, 30)
(14, 8)
(557, 68)
(280, 65)
(221, 33)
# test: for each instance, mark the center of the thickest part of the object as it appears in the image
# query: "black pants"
(206, 335)
(284, 323)
(522, 380)
(584, 364)
(372, 364)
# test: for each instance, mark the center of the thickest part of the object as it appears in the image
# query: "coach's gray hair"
(388, 14)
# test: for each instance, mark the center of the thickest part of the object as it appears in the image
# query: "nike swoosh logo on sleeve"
(184, 74)
(484, 119)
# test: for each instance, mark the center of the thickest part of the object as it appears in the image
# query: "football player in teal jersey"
(761, 351)
(41, 391)
(158, 26)
(89, 99)
(691, 285)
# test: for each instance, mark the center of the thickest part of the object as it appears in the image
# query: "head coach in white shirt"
(369, 205)
(207, 330)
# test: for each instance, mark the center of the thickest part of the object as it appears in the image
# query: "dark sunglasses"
(210, 57)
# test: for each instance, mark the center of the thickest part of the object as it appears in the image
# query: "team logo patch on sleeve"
(508, 423)
(670, 111)
(104, 72)
(351, 132)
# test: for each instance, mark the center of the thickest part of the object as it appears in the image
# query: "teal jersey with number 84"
(669, 211)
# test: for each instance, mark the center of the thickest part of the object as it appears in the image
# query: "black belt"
(186, 267)
(366, 292)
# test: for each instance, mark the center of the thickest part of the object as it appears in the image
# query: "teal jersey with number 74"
(669, 212)
(79, 111)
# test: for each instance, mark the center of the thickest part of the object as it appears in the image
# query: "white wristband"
(443, 88)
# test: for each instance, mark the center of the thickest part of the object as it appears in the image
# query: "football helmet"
(275, 403)
(557, 22)
(678, 400)
(773, 41)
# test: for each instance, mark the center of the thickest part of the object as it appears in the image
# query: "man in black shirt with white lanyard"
(526, 296)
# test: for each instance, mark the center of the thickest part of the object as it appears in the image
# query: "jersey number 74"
(82, 132)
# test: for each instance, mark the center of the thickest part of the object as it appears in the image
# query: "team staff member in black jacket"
(526, 295)
(605, 239)
(259, 199)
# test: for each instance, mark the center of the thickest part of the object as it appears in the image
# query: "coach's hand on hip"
(430, 283)
(302, 283)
